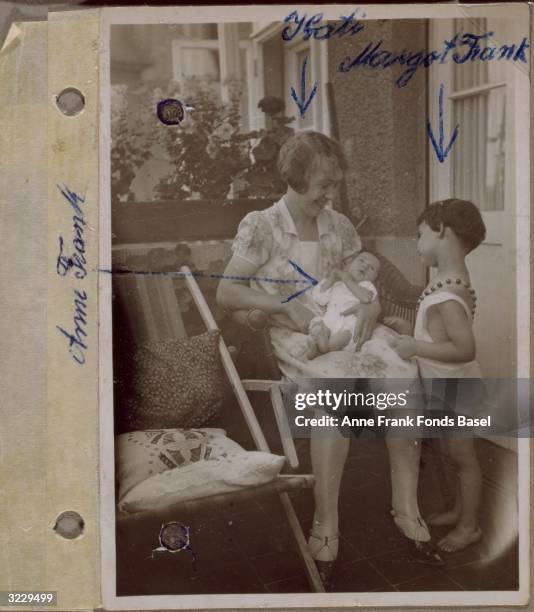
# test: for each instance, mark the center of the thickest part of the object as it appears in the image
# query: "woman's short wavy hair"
(462, 216)
(297, 154)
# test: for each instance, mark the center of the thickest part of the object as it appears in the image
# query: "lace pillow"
(142, 454)
(160, 467)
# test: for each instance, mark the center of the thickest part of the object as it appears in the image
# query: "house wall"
(383, 132)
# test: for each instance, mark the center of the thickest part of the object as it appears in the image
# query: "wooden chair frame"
(281, 485)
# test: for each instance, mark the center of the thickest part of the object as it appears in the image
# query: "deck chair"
(281, 486)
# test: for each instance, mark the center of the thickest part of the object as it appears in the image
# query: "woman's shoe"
(424, 552)
(325, 568)
(417, 537)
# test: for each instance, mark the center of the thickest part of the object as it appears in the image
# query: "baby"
(344, 288)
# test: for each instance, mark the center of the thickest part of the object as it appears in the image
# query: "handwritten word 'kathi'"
(375, 57)
(76, 265)
(310, 28)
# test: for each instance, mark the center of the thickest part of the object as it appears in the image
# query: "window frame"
(441, 174)
(317, 68)
(319, 73)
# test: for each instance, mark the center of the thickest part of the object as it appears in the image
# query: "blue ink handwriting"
(77, 343)
(313, 28)
(302, 102)
(441, 152)
(77, 259)
(467, 49)
(309, 280)
(77, 262)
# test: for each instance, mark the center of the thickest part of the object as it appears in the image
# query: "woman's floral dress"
(268, 239)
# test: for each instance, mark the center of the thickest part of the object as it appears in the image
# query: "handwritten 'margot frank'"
(464, 47)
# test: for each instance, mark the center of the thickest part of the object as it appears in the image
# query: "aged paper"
(275, 60)
(168, 149)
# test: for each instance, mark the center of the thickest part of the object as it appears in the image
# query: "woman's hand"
(367, 316)
(400, 325)
(405, 346)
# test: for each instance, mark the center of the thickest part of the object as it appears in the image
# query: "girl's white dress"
(430, 369)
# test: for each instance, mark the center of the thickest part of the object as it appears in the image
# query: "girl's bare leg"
(328, 453)
(467, 530)
(449, 517)
(452, 514)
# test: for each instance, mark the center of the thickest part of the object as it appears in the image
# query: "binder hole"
(69, 525)
(70, 101)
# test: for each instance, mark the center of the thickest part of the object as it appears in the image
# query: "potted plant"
(215, 172)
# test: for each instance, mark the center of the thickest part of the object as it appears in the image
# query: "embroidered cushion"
(171, 383)
(159, 467)
(142, 454)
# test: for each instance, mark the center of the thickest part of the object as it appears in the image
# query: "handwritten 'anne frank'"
(76, 262)
(468, 50)
(76, 338)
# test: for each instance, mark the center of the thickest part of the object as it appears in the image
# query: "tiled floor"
(250, 549)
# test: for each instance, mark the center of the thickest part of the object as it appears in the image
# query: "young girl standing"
(444, 346)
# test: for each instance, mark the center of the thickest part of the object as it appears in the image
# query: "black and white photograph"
(306, 194)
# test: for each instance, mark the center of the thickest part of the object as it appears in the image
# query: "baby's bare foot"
(460, 538)
(450, 517)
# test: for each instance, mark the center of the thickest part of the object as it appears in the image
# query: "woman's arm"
(235, 294)
(460, 346)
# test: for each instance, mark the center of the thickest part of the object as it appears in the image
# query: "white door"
(489, 102)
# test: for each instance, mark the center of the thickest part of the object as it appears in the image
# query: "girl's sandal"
(325, 568)
(417, 539)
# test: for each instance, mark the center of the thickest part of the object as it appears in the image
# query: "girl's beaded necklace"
(449, 281)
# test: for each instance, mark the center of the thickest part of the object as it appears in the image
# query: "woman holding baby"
(308, 342)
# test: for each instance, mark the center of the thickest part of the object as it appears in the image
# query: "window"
(198, 59)
(293, 64)
(479, 105)
(488, 164)
(279, 67)
(479, 96)
(202, 59)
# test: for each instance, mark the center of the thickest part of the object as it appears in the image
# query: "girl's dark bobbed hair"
(462, 216)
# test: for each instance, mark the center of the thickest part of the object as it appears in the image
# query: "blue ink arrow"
(302, 103)
(441, 153)
(309, 280)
